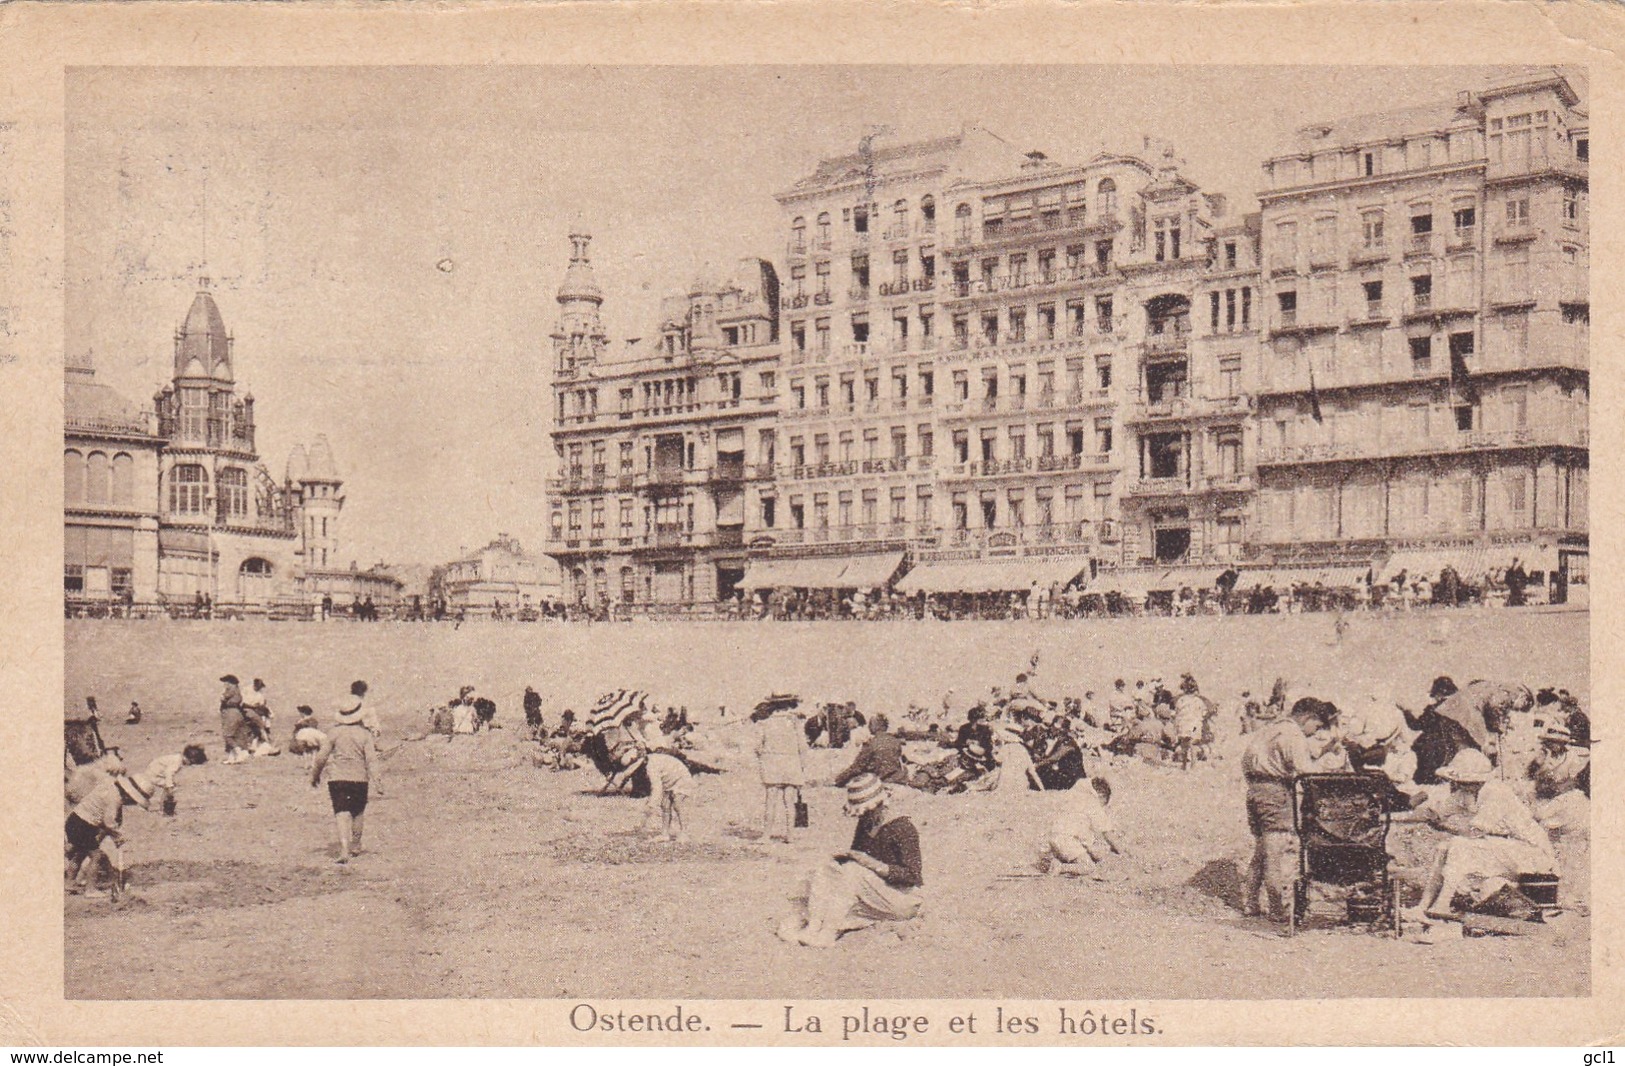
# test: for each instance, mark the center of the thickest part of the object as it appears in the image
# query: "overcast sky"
(386, 242)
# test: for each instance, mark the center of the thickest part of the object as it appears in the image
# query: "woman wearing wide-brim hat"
(1491, 834)
(349, 757)
(876, 880)
(781, 753)
(1561, 779)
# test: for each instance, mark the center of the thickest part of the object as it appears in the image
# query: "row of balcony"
(598, 478)
(672, 410)
(898, 231)
(1562, 435)
(896, 531)
(1051, 225)
(1415, 246)
(1281, 379)
(1080, 532)
(661, 537)
(1187, 485)
(1043, 400)
(965, 288)
(922, 402)
(895, 464)
(1028, 464)
(1177, 403)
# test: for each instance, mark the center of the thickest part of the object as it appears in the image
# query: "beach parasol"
(614, 708)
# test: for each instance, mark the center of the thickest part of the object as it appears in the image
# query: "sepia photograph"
(809, 532)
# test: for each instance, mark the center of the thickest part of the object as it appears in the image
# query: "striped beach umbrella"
(614, 708)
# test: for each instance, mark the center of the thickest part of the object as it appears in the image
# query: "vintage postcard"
(823, 525)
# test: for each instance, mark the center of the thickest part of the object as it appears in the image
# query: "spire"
(202, 347)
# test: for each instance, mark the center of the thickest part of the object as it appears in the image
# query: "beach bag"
(801, 811)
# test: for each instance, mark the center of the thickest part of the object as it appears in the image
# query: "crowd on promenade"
(1228, 592)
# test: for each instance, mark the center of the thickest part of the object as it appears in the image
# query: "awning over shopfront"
(822, 572)
(1332, 577)
(769, 574)
(992, 575)
(1471, 562)
(870, 571)
(1134, 584)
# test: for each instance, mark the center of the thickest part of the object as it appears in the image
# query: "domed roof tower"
(579, 338)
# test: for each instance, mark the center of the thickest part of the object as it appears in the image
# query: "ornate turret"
(579, 339)
(202, 345)
(320, 499)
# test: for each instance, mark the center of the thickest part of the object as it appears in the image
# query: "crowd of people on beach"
(1499, 770)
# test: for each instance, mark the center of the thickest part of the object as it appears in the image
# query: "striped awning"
(822, 572)
(1471, 563)
(1332, 577)
(992, 575)
(1136, 583)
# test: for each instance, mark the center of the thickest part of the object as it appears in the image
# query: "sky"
(385, 242)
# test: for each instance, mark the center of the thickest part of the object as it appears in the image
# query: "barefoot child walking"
(349, 757)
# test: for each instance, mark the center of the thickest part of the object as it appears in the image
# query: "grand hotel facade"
(972, 368)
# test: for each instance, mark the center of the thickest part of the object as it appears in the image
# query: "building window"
(1230, 375)
(1107, 192)
(1289, 307)
(1571, 208)
(1371, 230)
(1103, 436)
(187, 489)
(1518, 213)
(1465, 220)
(233, 493)
(1421, 356)
(823, 232)
(1422, 292)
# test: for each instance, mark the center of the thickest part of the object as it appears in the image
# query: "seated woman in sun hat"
(1491, 834)
(876, 880)
(1560, 778)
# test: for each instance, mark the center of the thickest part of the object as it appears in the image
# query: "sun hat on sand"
(137, 787)
(864, 793)
(1470, 766)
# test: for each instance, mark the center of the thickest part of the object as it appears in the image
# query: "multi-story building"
(978, 407)
(501, 575)
(1424, 392)
(1007, 372)
(664, 450)
(173, 503)
(858, 443)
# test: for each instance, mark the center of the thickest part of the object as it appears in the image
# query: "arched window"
(255, 567)
(188, 487)
(1108, 196)
(123, 491)
(899, 221)
(629, 585)
(234, 492)
(98, 479)
(73, 477)
(962, 222)
(928, 211)
(798, 235)
(823, 230)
